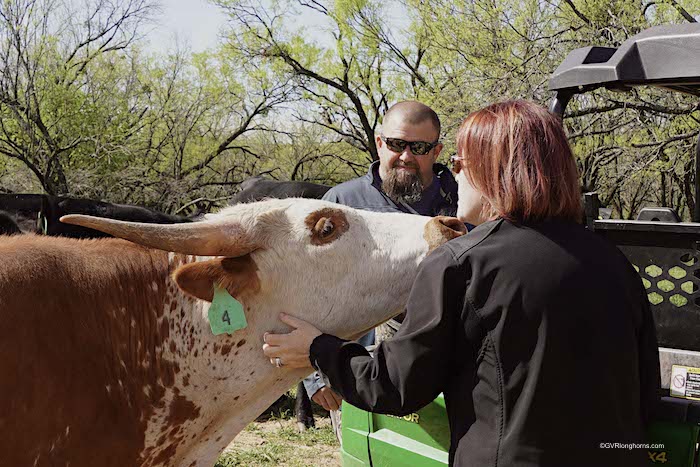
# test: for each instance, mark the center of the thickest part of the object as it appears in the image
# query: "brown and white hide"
(106, 353)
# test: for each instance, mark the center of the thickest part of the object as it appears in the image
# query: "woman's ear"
(237, 275)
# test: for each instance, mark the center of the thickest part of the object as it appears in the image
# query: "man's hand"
(292, 349)
(327, 398)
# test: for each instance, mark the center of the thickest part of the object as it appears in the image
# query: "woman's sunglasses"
(418, 148)
(456, 163)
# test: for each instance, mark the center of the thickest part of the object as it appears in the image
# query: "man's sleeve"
(331, 195)
(313, 383)
(367, 339)
(413, 367)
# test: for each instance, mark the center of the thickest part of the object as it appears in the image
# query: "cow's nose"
(442, 229)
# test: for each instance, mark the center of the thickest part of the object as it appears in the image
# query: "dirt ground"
(277, 442)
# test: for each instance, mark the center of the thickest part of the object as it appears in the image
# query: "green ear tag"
(225, 313)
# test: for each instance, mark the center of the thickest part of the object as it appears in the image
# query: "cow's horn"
(196, 238)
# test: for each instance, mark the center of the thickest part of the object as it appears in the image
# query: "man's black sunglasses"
(418, 148)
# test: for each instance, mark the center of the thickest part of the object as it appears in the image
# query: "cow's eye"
(324, 227)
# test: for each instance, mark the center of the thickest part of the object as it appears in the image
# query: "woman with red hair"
(537, 331)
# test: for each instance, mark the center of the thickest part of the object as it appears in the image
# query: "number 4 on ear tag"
(225, 313)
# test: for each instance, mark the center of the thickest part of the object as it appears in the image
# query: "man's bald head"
(413, 113)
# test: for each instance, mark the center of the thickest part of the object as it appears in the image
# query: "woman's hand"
(291, 350)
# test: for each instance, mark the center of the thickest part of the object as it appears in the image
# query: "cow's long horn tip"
(72, 218)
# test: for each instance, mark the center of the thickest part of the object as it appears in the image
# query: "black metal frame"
(663, 56)
(667, 255)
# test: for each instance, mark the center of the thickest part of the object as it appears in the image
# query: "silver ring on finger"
(278, 362)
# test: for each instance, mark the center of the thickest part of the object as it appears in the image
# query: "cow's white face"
(342, 269)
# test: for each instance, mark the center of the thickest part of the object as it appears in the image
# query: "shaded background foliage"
(86, 111)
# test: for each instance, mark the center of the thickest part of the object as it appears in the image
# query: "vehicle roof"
(664, 56)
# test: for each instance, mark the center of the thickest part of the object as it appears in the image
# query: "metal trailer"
(665, 253)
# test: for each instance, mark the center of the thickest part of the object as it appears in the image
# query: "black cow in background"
(8, 225)
(23, 209)
(54, 207)
(41, 214)
(257, 188)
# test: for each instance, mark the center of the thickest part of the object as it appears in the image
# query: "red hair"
(516, 154)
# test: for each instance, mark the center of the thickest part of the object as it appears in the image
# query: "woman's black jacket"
(541, 338)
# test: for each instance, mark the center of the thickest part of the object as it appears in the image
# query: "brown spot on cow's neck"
(326, 225)
(181, 410)
(165, 455)
(441, 229)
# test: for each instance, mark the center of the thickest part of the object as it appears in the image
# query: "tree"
(630, 147)
(202, 109)
(49, 56)
(347, 86)
(90, 115)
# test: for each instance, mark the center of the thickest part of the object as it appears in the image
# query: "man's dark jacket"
(365, 192)
(540, 337)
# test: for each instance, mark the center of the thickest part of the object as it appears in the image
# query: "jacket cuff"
(324, 351)
(313, 383)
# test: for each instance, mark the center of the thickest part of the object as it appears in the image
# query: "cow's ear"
(237, 275)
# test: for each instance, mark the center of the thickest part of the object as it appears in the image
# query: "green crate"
(422, 439)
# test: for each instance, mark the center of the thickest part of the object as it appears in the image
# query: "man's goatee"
(402, 186)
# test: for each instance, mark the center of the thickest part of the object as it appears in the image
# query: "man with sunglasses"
(406, 178)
